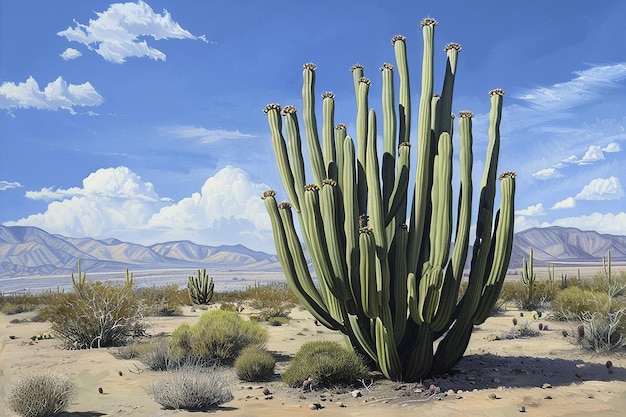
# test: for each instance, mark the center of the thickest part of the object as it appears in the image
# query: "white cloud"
(612, 147)
(205, 135)
(569, 202)
(5, 185)
(548, 173)
(602, 189)
(110, 200)
(116, 202)
(524, 222)
(120, 32)
(228, 196)
(593, 154)
(536, 210)
(70, 53)
(56, 95)
(583, 88)
(609, 223)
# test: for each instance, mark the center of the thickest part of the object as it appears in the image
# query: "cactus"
(389, 286)
(79, 281)
(200, 288)
(130, 279)
(528, 279)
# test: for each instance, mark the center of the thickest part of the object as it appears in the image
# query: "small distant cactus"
(78, 281)
(130, 279)
(528, 279)
(200, 288)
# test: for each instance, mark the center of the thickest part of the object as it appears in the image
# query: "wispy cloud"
(5, 185)
(611, 223)
(70, 53)
(58, 94)
(204, 135)
(120, 31)
(602, 189)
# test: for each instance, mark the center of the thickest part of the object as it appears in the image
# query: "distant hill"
(32, 251)
(29, 251)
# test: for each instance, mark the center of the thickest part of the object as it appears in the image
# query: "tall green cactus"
(200, 288)
(390, 286)
(528, 279)
(79, 281)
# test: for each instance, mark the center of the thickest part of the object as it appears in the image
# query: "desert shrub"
(277, 320)
(255, 364)
(615, 286)
(41, 395)
(217, 336)
(327, 363)
(193, 388)
(228, 306)
(520, 330)
(602, 333)
(102, 315)
(516, 293)
(160, 356)
(266, 296)
(166, 300)
(574, 301)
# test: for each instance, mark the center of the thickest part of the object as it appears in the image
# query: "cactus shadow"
(489, 371)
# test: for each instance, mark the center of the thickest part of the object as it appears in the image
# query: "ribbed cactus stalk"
(200, 288)
(130, 279)
(386, 271)
(528, 279)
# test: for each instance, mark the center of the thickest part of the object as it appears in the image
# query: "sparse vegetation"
(166, 300)
(101, 315)
(327, 363)
(255, 364)
(218, 336)
(193, 388)
(41, 395)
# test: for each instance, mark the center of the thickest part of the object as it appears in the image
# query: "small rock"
(546, 385)
(315, 406)
(120, 373)
(266, 391)
(356, 393)
(450, 392)
(493, 396)
(268, 397)
(547, 397)
(458, 396)
(341, 405)
(609, 364)
(522, 409)
(100, 390)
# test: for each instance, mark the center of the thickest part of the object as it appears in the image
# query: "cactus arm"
(425, 140)
(328, 135)
(361, 143)
(501, 252)
(298, 283)
(340, 136)
(367, 273)
(310, 124)
(404, 99)
(389, 133)
(351, 218)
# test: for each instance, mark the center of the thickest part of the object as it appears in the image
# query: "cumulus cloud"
(610, 223)
(70, 53)
(536, 210)
(602, 189)
(205, 135)
(56, 95)
(548, 173)
(121, 31)
(227, 198)
(110, 200)
(5, 185)
(612, 147)
(524, 222)
(569, 202)
(116, 202)
(593, 154)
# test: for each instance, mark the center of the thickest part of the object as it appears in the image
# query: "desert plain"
(545, 375)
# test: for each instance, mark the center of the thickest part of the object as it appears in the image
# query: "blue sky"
(143, 120)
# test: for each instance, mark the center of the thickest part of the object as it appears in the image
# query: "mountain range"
(30, 251)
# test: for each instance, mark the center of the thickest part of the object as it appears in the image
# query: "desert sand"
(547, 375)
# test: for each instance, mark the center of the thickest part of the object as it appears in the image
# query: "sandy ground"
(547, 375)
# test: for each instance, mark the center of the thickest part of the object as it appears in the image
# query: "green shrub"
(327, 363)
(166, 300)
(217, 336)
(516, 293)
(255, 364)
(102, 315)
(616, 285)
(574, 301)
(277, 320)
(41, 395)
(193, 388)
